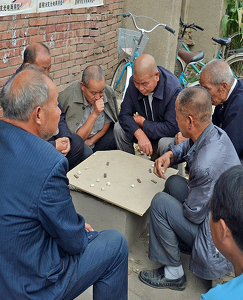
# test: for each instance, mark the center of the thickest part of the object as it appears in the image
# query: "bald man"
(148, 109)
(227, 96)
(70, 145)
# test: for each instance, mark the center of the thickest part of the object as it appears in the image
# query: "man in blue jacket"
(47, 251)
(148, 110)
(227, 96)
(70, 145)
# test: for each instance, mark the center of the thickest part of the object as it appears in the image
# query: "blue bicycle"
(131, 43)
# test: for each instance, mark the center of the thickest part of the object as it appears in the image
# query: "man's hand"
(63, 145)
(98, 106)
(143, 142)
(179, 138)
(139, 120)
(165, 161)
(89, 141)
(88, 227)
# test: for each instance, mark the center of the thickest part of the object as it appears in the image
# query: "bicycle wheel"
(236, 45)
(178, 68)
(236, 64)
(119, 89)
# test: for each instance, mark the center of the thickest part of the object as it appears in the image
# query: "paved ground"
(138, 260)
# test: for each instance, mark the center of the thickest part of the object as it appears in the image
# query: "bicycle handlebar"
(144, 30)
(192, 26)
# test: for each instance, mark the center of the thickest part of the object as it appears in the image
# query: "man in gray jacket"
(91, 109)
(181, 212)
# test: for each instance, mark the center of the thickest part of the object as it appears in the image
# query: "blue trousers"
(104, 264)
(168, 225)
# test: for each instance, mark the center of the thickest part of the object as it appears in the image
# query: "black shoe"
(156, 279)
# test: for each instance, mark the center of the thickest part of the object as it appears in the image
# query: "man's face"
(43, 61)
(216, 92)
(51, 113)
(94, 91)
(181, 120)
(146, 83)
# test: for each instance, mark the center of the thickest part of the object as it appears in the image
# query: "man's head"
(30, 102)
(193, 111)
(93, 83)
(145, 74)
(217, 77)
(226, 221)
(38, 54)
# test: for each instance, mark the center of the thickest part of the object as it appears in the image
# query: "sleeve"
(57, 213)
(201, 185)
(167, 127)
(179, 151)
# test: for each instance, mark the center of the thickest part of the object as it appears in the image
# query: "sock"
(173, 272)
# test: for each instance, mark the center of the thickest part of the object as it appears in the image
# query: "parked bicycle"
(131, 44)
(186, 58)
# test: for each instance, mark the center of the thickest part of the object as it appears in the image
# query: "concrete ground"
(138, 260)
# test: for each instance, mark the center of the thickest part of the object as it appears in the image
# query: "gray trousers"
(168, 225)
(125, 144)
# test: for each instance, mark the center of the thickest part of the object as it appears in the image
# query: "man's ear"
(82, 86)
(190, 121)
(37, 115)
(157, 75)
(224, 230)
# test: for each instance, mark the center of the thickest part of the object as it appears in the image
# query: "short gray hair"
(94, 72)
(20, 99)
(218, 71)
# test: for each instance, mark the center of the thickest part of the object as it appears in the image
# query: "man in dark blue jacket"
(148, 109)
(227, 96)
(70, 145)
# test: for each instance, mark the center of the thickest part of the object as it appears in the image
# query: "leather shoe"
(156, 279)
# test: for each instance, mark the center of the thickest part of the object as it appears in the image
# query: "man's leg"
(76, 151)
(107, 142)
(104, 264)
(122, 141)
(167, 223)
(164, 143)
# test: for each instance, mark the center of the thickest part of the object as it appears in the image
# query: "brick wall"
(75, 37)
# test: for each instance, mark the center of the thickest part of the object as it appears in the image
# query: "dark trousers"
(104, 265)
(107, 141)
(168, 225)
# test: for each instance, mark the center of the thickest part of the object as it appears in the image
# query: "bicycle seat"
(222, 41)
(190, 57)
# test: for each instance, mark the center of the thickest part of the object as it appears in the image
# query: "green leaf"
(225, 20)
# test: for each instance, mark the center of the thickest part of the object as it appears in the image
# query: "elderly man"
(181, 212)
(47, 250)
(227, 94)
(226, 223)
(70, 145)
(91, 109)
(148, 109)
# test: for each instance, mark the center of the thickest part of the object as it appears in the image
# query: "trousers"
(168, 225)
(104, 265)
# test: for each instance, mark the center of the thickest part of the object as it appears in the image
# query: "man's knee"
(163, 144)
(115, 241)
(159, 201)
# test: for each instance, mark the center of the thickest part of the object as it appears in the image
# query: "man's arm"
(93, 139)
(57, 213)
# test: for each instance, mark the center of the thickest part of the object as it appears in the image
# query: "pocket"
(55, 273)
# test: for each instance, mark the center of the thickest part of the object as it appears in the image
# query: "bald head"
(38, 54)
(145, 74)
(27, 90)
(145, 65)
(94, 72)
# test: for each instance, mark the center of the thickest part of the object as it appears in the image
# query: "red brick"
(56, 67)
(4, 26)
(55, 20)
(78, 11)
(56, 52)
(47, 29)
(67, 79)
(62, 27)
(83, 32)
(6, 35)
(88, 53)
(76, 25)
(49, 14)
(76, 55)
(8, 71)
(6, 18)
(36, 39)
(18, 24)
(38, 22)
(82, 47)
(68, 64)
(4, 44)
(16, 61)
(94, 33)
(61, 73)
(19, 42)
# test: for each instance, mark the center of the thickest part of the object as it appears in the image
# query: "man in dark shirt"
(227, 96)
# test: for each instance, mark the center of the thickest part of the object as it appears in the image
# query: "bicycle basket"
(127, 40)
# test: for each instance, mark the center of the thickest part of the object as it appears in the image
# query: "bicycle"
(130, 45)
(191, 58)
